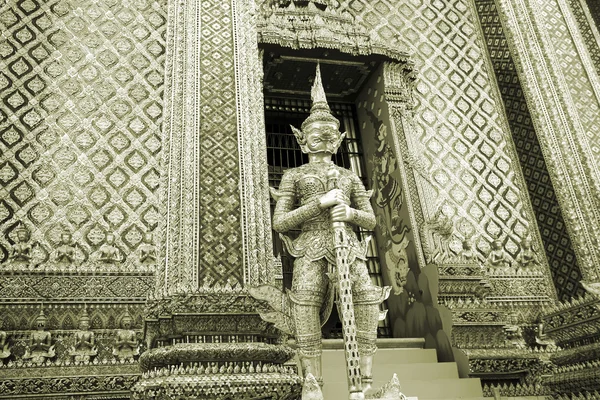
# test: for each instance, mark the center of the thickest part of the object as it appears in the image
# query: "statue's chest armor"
(316, 183)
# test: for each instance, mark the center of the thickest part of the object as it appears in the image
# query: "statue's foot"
(357, 396)
(366, 387)
(311, 390)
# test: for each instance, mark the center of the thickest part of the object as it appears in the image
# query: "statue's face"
(41, 324)
(323, 137)
(65, 238)
(126, 323)
(110, 239)
(84, 325)
(21, 236)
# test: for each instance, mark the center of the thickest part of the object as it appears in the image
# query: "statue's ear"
(299, 135)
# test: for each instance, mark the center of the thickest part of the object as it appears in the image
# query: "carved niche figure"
(440, 228)
(527, 259)
(84, 348)
(21, 250)
(126, 343)
(467, 253)
(321, 199)
(497, 260)
(65, 252)
(4, 350)
(109, 252)
(147, 249)
(40, 342)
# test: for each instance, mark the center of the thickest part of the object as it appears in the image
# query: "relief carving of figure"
(441, 228)
(497, 260)
(321, 198)
(40, 342)
(126, 342)
(467, 253)
(109, 252)
(147, 249)
(21, 250)
(85, 344)
(388, 198)
(4, 350)
(527, 259)
(65, 252)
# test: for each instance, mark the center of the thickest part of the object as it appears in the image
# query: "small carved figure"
(441, 229)
(514, 336)
(497, 259)
(467, 252)
(543, 340)
(40, 342)
(65, 252)
(126, 343)
(148, 249)
(21, 250)
(84, 348)
(109, 252)
(527, 257)
(4, 350)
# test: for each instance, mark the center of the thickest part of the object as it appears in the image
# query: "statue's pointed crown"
(84, 315)
(320, 110)
(41, 316)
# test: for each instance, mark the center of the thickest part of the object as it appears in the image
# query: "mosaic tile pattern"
(594, 8)
(557, 243)
(220, 241)
(586, 30)
(574, 74)
(460, 137)
(80, 117)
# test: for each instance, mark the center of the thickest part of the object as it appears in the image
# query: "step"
(415, 371)
(424, 389)
(388, 356)
(420, 375)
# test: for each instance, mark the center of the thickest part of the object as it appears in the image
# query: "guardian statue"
(326, 202)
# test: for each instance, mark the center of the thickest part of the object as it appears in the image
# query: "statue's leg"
(309, 286)
(366, 297)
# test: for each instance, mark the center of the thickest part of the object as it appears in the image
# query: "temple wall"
(80, 125)
(462, 153)
(80, 142)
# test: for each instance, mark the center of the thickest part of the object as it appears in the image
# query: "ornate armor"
(309, 198)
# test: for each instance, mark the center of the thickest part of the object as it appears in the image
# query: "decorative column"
(205, 338)
(217, 227)
(562, 89)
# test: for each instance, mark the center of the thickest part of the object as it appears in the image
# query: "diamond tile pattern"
(594, 7)
(221, 241)
(80, 116)
(566, 273)
(459, 133)
(575, 75)
(586, 31)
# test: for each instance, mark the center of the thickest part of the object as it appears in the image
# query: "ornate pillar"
(202, 326)
(217, 227)
(562, 89)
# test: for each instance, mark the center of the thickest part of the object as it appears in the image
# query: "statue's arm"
(362, 214)
(285, 216)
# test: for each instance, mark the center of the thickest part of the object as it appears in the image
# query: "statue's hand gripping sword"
(345, 304)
